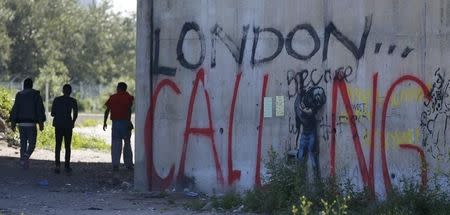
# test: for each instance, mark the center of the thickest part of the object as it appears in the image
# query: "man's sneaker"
(57, 170)
(130, 167)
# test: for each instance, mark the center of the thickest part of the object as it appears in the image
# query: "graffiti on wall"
(436, 117)
(298, 81)
(158, 182)
(306, 106)
(237, 49)
(367, 172)
(307, 87)
(314, 97)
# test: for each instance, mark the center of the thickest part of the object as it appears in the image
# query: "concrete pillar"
(143, 89)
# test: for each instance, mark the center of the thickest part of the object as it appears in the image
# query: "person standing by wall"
(27, 111)
(306, 106)
(119, 104)
(62, 109)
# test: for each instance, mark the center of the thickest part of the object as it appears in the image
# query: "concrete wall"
(381, 63)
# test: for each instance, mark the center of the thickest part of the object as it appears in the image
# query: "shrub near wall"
(5, 103)
(287, 191)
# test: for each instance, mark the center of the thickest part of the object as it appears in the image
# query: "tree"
(59, 41)
(24, 59)
(5, 15)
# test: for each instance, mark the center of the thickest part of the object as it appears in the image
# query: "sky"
(124, 6)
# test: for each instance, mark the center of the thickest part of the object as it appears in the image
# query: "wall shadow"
(84, 178)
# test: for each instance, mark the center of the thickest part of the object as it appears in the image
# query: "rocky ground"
(92, 188)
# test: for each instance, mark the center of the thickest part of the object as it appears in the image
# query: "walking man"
(119, 104)
(27, 111)
(62, 109)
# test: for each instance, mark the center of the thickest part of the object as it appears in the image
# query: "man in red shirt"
(120, 105)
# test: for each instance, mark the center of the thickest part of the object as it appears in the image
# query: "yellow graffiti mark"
(395, 138)
(406, 94)
(401, 96)
(359, 95)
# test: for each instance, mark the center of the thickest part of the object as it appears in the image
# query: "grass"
(195, 204)
(6, 103)
(46, 140)
(287, 191)
(90, 123)
(231, 200)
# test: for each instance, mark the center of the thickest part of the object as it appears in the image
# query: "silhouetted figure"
(306, 106)
(62, 109)
(119, 104)
(27, 111)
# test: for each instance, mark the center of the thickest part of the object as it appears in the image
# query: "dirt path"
(91, 189)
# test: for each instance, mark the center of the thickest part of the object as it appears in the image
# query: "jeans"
(308, 148)
(60, 133)
(28, 136)
(121, 130)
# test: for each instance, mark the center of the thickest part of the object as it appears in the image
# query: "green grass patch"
(195, 204)
(231, 200)
(46, 140)
(287, 191)
(6, 103)
(90, 123)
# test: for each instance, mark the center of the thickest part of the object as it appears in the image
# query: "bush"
(5, 103)
(230, 200)
(287, 191)
(92, 105)
(411, 199)
(286, 182)
(46, 140)
(90, 123)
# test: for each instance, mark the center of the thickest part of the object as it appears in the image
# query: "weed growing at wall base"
(286, 182)
(231, 200)
(287, 191)
(46, 140)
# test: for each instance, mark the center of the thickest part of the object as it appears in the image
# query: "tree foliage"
(60, 41)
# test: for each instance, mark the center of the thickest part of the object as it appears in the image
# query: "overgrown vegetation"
(5, 103)
(287, 191)
(194, 204)
(231, 200)
(90, 123)
(46, 140)
(286, 183)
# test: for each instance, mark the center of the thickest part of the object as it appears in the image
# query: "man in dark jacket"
(306, 106)
(62, 109)
(27, 111)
